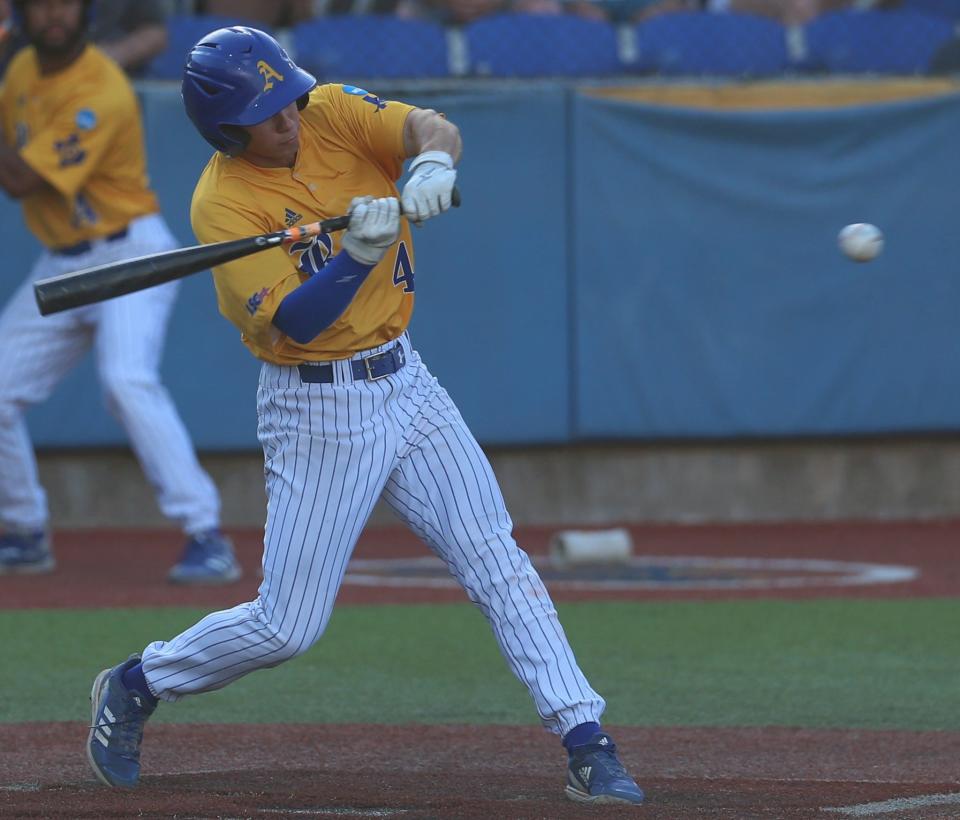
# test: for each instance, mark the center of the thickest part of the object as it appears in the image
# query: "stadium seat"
(949, 9)
(882, 42)
(348, 47)
(727, 45)
(535, 45)
(183, 33)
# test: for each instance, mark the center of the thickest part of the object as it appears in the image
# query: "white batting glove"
(374, 227)
(429, 190)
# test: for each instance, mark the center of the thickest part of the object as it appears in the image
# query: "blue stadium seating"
(882, 42)
(344, 48)
(536, 45)
(183, 33)
(937, 8)
(729, 45)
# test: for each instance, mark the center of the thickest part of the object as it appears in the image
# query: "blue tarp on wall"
(624, 270)
(711, 299)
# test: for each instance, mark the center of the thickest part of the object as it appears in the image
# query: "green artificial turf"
(818, 663)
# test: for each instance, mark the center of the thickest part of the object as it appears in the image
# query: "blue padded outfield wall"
(710, 297)
(625, 270)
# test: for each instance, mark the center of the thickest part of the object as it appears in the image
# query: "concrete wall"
(814, 480)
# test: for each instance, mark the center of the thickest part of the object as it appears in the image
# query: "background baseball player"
(347, 410)
(130, 32)
(72, 151)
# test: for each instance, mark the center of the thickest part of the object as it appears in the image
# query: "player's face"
(54, 26)
(274, 143)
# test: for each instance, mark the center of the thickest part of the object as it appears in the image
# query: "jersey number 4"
(403, 269)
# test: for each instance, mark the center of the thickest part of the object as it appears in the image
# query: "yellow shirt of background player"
(80, 130)
(351, 144)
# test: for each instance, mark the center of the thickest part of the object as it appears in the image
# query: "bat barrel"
(84, 287)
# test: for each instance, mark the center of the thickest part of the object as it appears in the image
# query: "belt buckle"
(370, 374)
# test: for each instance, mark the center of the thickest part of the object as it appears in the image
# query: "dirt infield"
(272, 771)
(118, 568)
(335, 771)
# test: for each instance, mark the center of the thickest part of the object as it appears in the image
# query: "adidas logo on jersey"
(290, 217)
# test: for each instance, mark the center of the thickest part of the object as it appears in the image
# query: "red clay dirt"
(268, 771)
(118, 568)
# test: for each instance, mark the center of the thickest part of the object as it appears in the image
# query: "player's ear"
(239, 135)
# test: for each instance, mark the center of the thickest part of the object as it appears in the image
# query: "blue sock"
(134, 679)
(579, 735)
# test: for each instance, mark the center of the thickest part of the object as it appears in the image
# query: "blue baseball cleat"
(207, 559)
(25, 553)
(595, 774)
(119, 714)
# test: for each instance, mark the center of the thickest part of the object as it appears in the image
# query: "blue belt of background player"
(87, 244)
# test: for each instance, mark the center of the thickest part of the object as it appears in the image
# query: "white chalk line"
(829, 781)
(797, 574)
(897, 804)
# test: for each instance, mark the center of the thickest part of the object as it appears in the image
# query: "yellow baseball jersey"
(80, 130)
(351, 144)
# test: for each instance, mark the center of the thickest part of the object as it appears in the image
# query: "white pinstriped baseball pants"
(36, 352)
(330, 451)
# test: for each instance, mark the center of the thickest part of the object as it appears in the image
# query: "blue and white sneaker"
(595, 774)
(207, 558)
(119, 714)
(25, 553)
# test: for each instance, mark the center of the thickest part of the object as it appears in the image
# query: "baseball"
(861, 241)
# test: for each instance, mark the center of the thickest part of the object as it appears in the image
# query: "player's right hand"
(374, 227)
(429, 191)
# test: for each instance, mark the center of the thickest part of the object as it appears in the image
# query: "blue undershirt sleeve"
(310, 309)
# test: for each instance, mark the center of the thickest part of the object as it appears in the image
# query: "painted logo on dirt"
(650, 572)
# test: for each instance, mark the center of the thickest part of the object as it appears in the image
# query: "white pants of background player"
(330, 451)
(36, 352)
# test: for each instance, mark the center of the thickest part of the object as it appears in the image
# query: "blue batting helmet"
(239, 76)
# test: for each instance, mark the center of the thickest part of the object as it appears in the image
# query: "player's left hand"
(374, 227)
(429, 191)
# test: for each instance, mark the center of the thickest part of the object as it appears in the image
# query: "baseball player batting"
(72, 151)
(347, 410)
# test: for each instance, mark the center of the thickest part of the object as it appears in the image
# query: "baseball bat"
(97, 284)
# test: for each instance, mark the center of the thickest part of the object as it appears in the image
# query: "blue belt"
(369, 369)
(86, 244)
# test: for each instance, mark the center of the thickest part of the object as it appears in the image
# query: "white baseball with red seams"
(861, 241)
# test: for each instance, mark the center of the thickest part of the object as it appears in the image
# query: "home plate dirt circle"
(649, 572)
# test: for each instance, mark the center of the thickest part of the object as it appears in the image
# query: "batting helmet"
(18, 6)
(239, 76)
